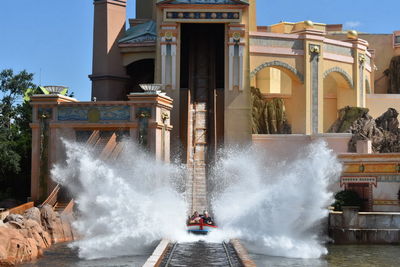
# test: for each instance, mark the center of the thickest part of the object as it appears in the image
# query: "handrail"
(21, 208)
(52, 198)
(69, 208)
(94, 137)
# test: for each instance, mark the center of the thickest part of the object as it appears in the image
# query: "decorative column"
(153, 113)
(168, 55)
(44, 142)
(315, 51)
(313, 81)
(236, 46)
(359, 54)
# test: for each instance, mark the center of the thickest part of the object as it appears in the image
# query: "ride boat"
(200, 228)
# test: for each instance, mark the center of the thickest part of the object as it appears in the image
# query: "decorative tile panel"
(338, 50)
(94, 113)
(197, 15)
(277, 42)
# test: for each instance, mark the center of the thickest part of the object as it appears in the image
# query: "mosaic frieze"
(342, 72)
(276, 42)
(278, 64)
(338, 50)
(94, 114)
(216, 16)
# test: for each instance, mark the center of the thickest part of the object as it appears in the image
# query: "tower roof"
(145, 32)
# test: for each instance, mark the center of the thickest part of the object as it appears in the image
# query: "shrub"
(346, 198)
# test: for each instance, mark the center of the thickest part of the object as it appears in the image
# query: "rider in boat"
(195, 218)
(207, 218)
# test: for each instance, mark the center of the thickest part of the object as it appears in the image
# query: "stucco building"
(207, 54)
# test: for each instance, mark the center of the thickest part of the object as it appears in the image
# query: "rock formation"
(268, 116)
(25, 237)
(383, 132)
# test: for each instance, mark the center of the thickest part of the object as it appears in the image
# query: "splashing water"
(125, 206)
(276, 208)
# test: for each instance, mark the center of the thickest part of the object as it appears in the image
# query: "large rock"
(383, 132)
(365, 129)
(268, 116)
(15, 248)
(35, 231)
(33, 214)
(388, 121)
(53, 224)
(15, 221)
(24, 238)
(347, 116)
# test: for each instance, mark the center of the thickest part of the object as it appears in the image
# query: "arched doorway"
(139, 72)
(338, 93)
(280, 80)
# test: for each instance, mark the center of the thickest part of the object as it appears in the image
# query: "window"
(397, 40)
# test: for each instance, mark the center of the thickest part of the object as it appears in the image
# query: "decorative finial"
(352, 34)
(308, 24)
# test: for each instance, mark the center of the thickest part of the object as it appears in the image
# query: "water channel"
(339, 256)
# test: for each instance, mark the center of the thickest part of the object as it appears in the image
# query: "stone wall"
(25, 237)
(354, 227)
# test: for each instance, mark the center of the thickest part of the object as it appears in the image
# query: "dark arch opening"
(139, 72)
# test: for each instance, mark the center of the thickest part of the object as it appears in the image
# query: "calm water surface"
(62, 256)
(339, 256)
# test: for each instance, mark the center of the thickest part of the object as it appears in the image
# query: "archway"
(139, 72)
(338, 93)
(279, 80)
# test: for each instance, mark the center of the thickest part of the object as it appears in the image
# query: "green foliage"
(15, 133)
(346, 198)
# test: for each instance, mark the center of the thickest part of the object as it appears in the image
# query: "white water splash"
(126, 206)
(275, 208)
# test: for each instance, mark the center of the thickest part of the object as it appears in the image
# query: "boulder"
(15, 221)
(383, 132)
(52, 223)
(35, 231)
(14, 218)
(388, 121)
(268, 116)
(15, 248)
(33, 214)
(347, 116)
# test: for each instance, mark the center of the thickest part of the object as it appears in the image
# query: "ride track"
(201, 254)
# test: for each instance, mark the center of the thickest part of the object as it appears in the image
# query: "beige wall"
(379, 103)
(383, 46)
(109, 75)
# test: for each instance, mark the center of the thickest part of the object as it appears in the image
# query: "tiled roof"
(145, 32)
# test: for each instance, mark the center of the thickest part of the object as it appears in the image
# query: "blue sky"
(53, 38)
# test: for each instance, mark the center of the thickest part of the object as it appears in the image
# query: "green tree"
(15, 133)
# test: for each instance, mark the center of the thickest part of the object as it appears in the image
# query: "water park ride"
(200, 228)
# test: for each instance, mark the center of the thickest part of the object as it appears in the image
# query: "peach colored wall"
(284, 147)
(383, 46)
(330, 112)
(379, 103)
